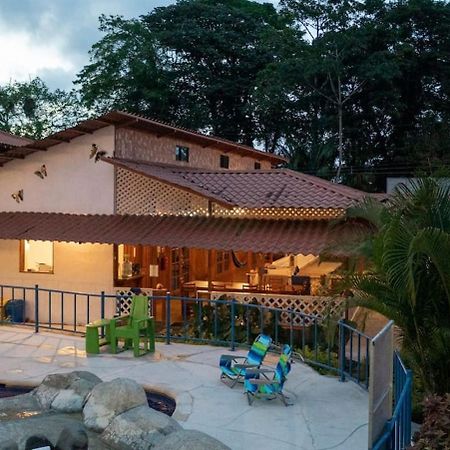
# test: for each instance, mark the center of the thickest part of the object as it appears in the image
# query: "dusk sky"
(51, 38)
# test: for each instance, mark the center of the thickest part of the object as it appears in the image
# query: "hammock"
(236, 261)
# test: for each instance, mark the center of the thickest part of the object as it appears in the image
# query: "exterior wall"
(75, 184)
(138, 145)
(77, 267)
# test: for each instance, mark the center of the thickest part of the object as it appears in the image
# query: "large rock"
(19, 404)
(8, 445)
(52, 427)
(109, 399)
(190, 440)
(139, 428)
(66, 392)
(73, 437)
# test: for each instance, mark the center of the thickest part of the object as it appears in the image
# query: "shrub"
(435, 431)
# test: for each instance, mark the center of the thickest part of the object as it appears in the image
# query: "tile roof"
(275, 188)
(124, 119)
(195, 232)
(11, 140)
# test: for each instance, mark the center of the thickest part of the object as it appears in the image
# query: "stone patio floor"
(326, 414)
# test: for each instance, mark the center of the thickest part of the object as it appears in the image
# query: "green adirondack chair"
(134, 329)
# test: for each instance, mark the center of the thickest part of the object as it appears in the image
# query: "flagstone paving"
(326, 414)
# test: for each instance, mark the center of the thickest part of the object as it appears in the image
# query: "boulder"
(109, 399)
(49, 426)
(65, 392)
(139, 428)
(190, 440)
(8, 445)
(73, 437)
(20, 404)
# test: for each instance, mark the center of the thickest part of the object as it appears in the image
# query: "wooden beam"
(85, 131)
(58, 139)
(35, 149)
(127, 123)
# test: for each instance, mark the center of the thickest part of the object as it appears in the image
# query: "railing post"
(168, 317)
(102, 305)
(36, 308)
(342, 351)
(102, 311)
(233, 320)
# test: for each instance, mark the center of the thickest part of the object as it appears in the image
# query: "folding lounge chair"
(233, 367)
(268, 383)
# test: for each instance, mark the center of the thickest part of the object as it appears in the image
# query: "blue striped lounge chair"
(267, 382)
(233, 368)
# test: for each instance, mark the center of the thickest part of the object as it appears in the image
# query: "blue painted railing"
(397, 431)
(344, 351)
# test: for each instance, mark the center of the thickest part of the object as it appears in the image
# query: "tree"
(31, 110)
(194, 63)
(408, 277)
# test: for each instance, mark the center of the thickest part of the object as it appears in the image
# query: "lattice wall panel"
(279, 213)
(306, 304)
(123, 303)
(137, 194)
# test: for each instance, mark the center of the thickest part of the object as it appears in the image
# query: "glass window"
(36, 256)
(224, 161)
(182, 153)
(257, 165)
(222, 261)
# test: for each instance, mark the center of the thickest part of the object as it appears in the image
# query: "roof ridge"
(335, 187)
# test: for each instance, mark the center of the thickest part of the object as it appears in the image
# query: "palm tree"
(407, 278)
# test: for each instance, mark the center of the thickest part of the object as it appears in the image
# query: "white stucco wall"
(75, 184)
(77, 267)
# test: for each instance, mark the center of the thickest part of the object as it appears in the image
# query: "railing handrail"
(402, 408)
(354, 339)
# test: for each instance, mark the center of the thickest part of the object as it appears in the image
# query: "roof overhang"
(306, 237)
(123, 119)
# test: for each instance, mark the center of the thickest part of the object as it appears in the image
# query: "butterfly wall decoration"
(96, 153)
(42, 172)
(18, 196)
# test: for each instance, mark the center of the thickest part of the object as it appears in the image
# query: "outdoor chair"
(233, 368)
(134, 329)
(268, 382)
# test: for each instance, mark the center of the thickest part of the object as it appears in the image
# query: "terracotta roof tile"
(275, 188)
(196, 232)
(11, 140)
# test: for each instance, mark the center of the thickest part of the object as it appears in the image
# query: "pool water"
(157, 401)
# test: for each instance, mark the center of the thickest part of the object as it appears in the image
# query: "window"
(36, 256)
(257, 165)
(224, 161)
(182, 153)
(222, 261)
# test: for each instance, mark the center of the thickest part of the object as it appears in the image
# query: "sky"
(51, 38)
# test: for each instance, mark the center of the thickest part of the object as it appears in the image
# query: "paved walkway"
(326, 414)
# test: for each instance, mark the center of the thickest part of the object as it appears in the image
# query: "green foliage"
(435, 431)
(30, 109)
(408, 279)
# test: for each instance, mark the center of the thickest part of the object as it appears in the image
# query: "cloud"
(52, 38)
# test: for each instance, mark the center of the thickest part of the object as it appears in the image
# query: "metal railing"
(217, 322)
(333, 347)
(397, 431)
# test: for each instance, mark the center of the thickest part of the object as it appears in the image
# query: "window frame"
(182, 153)
(224, 161)
(22, 258)
(257, 165)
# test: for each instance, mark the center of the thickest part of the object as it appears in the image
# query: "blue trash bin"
(15, 310)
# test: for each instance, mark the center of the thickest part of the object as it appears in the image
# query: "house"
(123, 201)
